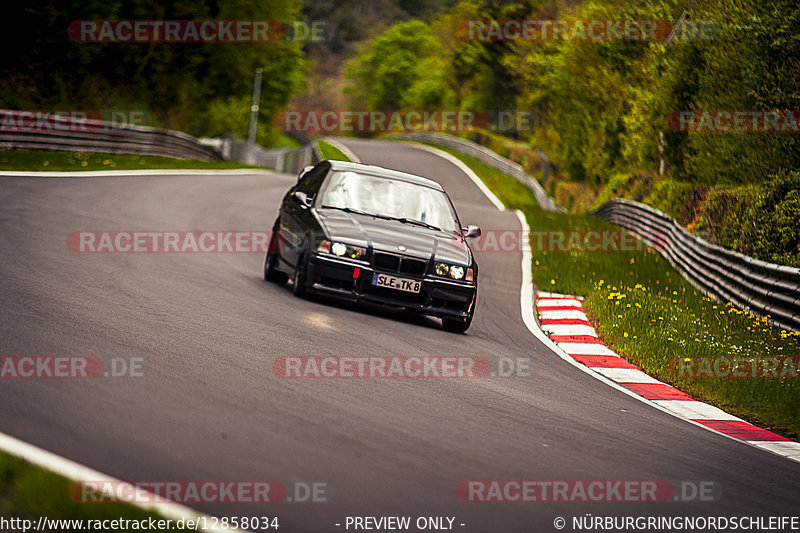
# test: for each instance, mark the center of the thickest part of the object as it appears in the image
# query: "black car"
(366, 233)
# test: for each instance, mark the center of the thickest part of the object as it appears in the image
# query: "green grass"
(331, 152)
(29, 492)
(65, 161)
(282, 140)
(647, 312)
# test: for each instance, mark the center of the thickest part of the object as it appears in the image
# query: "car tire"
(268, 272)
(459, 325)
(456, 326)
(299, 280)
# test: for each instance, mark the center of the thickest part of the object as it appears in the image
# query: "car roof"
(384, 173)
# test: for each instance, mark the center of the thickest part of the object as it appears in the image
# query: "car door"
(296, 219)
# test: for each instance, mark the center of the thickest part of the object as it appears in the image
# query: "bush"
(760, 221)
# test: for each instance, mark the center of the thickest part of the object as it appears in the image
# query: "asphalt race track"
(209, 406)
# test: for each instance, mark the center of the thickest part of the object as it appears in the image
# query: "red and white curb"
(563, 327)
(563, 319)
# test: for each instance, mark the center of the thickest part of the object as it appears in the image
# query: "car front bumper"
(350, 281)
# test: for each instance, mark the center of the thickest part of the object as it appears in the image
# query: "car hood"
(387, 235)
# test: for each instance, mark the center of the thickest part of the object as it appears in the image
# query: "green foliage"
(605, 109)
(617, 186)
(648, 313)
(604, 105)
(752, 65)
(331, 152)
(54, 160)
(760, 221)
(400, 69)
(28, 492)
(184, 84)
(671, 196)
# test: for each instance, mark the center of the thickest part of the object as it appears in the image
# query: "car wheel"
(299, 280)
(268, 272)
(457, 325)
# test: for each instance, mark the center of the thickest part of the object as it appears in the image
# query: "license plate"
(392, 282)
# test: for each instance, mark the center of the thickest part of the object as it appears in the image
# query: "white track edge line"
(133, 172)
(466, 170)
(78, 472)
(527, 305)
(526, 301)
(74, 471)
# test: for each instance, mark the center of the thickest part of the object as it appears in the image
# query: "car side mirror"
(301, 199)
(471, 232)
(303, 173)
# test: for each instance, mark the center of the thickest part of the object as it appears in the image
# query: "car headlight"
(451, 271)
(341, 249)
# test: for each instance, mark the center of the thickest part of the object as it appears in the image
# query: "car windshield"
(390, 198)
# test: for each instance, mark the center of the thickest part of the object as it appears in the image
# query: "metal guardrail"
(494, 160)
(289, 160)
(769, 290)
(63, 132)
(69, 134)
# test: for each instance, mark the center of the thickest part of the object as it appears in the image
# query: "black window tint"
(311, 183)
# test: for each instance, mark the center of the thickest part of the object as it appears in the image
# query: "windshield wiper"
(417, 222)
(404, 220)
(356, 211)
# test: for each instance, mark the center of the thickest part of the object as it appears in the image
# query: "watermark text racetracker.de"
(734, 121)
(587, 490)
(71, 120)
(494, 240)
(584, 30)
(195, 31)
(775, 367)
(198, 492)
(69, 367)
(400, 367)
(337, 121)
(176, 242)
(226, 241)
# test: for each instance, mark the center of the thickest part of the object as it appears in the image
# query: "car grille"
(400, 264)
(386, 261)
